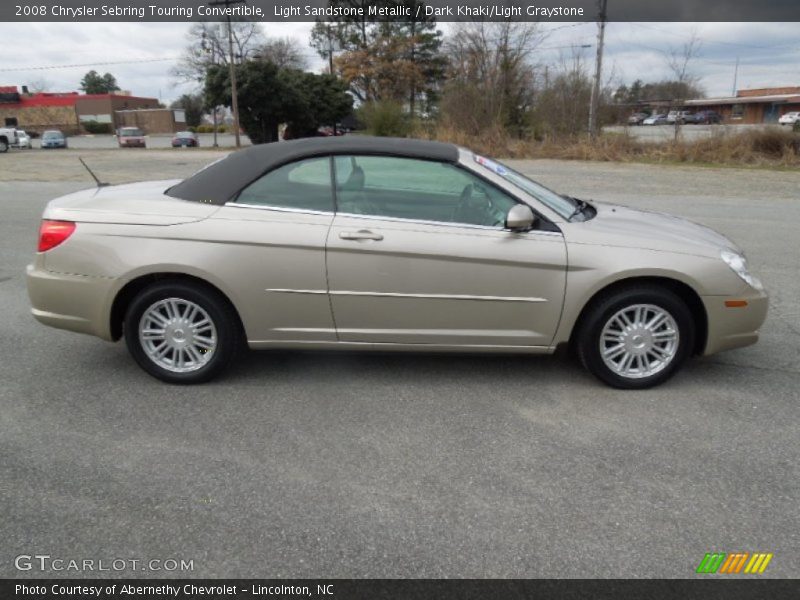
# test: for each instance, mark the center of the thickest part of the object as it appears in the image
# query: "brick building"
(764, 105)
(69, 111)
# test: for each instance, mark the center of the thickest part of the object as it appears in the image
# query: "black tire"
(229, 335)
(3, 145)
(608, 305)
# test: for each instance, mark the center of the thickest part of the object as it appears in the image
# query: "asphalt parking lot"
(359, 465)
(160, 141)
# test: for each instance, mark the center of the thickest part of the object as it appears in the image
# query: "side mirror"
(520, 218)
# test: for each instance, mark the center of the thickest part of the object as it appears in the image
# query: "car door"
(270, 249)
(417, 254)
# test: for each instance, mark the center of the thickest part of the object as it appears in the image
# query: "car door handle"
(362, 234)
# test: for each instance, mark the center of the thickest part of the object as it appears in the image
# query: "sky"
(768, 53)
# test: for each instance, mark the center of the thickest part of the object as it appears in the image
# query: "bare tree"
(490, 78)
(562, 100)
(325, 39)
(284, 53)
(208, 45)
(678, 60)
(39, 85)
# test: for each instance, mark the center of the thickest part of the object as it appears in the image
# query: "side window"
(302, 185)
(417, 189)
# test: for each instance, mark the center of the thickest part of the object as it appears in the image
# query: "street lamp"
(234, 95)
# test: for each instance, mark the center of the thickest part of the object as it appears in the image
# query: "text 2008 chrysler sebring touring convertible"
(385, 244)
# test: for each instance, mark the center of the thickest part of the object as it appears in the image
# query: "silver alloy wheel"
(177, 335)
(639, 341)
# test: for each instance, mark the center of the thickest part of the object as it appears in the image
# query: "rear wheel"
(637, 337)
(3, 145)
(181, 332)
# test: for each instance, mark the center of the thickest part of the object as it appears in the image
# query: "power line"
(93, 64)
(567, 26)
(705, 41)
(701, 59)
(576, 46)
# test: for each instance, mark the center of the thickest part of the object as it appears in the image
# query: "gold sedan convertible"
(385, 244)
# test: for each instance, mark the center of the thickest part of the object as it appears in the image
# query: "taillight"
(52, 233)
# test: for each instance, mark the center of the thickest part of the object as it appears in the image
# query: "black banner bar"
(379, 589)
(442, 10)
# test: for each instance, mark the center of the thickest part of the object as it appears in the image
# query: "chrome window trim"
(443, 223)
(301, 211)
(382, 218)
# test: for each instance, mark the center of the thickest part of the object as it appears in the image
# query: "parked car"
(328, 130)
(23, 140)
(789, 118)
(185, 139)
(8, 138)
(131, 137)
(677, 115)
(54, 139)
(703, 117)
(657, 119)
(366, 243)
(637, 118)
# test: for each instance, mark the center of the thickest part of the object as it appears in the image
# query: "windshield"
(52, 135)
(561, 204)
(130, 132)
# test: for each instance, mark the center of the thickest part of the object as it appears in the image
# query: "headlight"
(738, 263)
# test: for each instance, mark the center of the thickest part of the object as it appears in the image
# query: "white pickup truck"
(8, 138)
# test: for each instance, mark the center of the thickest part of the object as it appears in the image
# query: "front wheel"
(637, 337)
(181, 332)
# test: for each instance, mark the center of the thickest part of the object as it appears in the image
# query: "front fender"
(593, 268)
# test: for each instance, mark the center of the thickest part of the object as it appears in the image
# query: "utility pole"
(598, 67)
(232, 58)
(330, 48)
(735, 77)
(211, 50)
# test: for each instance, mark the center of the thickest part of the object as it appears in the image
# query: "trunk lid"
(142, 203)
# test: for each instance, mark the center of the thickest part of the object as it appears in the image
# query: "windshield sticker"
(490, 164)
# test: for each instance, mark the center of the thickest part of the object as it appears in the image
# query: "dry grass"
(769, 147)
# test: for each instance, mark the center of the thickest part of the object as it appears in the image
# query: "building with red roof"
(71, 112)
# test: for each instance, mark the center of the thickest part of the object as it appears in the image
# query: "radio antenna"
(99, 183)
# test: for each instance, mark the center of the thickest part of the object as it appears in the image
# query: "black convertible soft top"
(220, 181)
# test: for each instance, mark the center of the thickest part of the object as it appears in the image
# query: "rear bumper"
(730, 328)
(72, 302)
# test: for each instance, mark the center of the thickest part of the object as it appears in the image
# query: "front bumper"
(734, 327)
(73, 302)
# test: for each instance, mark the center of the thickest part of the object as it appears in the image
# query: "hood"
(626, 227)
(131, 204)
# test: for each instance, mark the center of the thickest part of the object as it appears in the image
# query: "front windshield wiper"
(580, 206)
